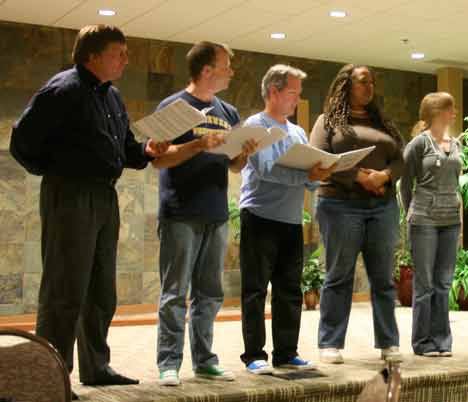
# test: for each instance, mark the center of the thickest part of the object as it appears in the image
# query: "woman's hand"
(378, 178)
(373, 180)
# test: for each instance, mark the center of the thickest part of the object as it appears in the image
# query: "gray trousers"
(77, 297)
(434, 252)
(191, 256)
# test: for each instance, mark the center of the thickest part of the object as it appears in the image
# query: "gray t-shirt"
(429, 183)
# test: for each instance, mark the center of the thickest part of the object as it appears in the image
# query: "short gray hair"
(277, 76)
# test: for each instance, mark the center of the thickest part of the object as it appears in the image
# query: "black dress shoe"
(74, 396)
(110, 377)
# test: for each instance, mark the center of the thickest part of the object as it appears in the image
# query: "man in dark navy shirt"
(193, 217)
(75, 132)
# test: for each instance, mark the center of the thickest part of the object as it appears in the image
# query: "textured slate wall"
(30, 54)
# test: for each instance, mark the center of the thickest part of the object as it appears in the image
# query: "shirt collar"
(272, 122)
(93, 81)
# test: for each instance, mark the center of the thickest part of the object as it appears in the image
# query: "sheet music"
(170, 122)
(304, 156)
(236, 138)
(275, 134)
(352, 158)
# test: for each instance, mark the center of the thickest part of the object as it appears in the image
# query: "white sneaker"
(169, 377)
(392, 353)
(259, 367)
(331, 355)
(445, 353)
(434, 353)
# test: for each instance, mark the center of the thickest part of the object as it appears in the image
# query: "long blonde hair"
(431, 106)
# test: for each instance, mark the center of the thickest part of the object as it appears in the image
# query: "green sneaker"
(169, 377)
(214, 372)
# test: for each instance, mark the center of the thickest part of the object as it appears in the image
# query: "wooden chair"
(31, 370)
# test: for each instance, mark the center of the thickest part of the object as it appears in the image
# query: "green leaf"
(313, 273)
(402, 252)
(306, 217)
(460, 279)
(234, 218)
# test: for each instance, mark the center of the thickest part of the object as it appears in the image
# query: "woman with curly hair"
(357, 211)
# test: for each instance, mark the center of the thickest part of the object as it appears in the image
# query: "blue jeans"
(348, 227)
(434, 252)
(191, 255)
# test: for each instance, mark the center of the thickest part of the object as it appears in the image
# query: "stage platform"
(423, 379)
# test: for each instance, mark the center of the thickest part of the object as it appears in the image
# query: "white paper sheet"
(236, 138)
(302, 156)
(170, 122)
(350, 159)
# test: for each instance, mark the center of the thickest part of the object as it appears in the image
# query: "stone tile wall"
(30, 54)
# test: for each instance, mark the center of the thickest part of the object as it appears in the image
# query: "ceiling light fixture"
(338, 14)
(106, 13)
(278, 35)
(417, 56)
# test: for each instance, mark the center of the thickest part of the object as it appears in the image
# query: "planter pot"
(405, 286)
(462, 300)
(311, 299)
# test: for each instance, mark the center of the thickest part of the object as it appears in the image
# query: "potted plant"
(403, 276)
(306, 225)
(312, 279)
(463, 183)
(234, 218)
(232, 252)
(458, 296)
(403, 273)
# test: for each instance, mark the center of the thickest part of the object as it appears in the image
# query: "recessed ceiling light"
(338, 14)
(106, 13)
(278, 35)
(417, 55)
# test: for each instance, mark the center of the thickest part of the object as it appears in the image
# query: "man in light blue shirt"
(271, 245)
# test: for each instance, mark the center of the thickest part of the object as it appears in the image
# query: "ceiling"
(371, 34)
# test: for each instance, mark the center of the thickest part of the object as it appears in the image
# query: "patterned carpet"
(423, 380)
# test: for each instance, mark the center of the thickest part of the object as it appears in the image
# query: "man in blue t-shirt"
(271, 244)
(193, 216)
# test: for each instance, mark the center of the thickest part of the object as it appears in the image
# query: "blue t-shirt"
(197, 188)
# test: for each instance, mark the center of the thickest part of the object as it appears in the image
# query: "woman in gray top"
(429, 193)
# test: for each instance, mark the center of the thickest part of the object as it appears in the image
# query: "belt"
(109, 181)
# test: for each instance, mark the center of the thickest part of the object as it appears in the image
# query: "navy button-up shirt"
(76, 126)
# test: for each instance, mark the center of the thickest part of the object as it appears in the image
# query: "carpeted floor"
(437, 380)
(423, 379)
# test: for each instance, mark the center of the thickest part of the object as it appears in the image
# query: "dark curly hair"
(337, 108)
